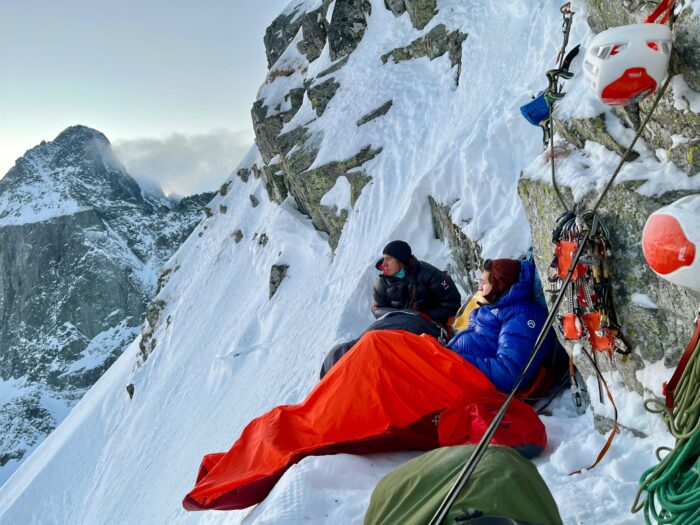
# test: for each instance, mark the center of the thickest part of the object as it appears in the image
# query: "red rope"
(614, 430)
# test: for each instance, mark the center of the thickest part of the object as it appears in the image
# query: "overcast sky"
(169, 82)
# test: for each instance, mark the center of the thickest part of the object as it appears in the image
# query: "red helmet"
(671, 242)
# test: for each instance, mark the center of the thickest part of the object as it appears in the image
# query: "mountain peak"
(75, 172)
(79, 134)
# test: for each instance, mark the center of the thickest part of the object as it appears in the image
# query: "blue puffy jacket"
(501, 336)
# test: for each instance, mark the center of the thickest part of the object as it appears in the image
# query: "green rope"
(673, 486)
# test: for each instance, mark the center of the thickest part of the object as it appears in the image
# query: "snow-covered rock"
(81, 244)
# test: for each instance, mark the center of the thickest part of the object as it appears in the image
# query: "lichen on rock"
(421, 11)
(348, 25)
(433, 44)
(321, 94)
(310, 186)
(376, 113)
(578, 131)
(654, 334)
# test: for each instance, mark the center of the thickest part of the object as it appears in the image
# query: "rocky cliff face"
(657, 317)
(304, 79)
(81, 245)
(301, 77)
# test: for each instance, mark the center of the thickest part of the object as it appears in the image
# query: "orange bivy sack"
(393, 391)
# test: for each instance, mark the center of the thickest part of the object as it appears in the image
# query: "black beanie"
(400, 251)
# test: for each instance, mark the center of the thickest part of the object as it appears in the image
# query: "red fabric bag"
(384, 395)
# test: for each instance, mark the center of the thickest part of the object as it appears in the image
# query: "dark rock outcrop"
(277, 274)
(398, 7)
(435, 43)
(310, 186)
(284, 28)
(655, 334)
(465, 252)
(321, 94)
(379, 112)
(421, 11)
(348, 25)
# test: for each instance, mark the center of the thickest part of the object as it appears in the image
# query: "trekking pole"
(480, 449)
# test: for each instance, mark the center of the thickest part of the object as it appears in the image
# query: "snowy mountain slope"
(81, 245)
(226, 351)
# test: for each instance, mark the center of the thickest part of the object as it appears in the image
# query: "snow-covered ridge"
(226, 351)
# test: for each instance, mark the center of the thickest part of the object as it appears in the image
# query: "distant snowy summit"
(76, 172)
(81, 245)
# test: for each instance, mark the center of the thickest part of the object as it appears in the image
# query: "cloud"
(184, 164)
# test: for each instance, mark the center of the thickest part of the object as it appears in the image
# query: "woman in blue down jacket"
(503, 330)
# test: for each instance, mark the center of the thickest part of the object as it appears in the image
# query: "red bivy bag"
(393, 391)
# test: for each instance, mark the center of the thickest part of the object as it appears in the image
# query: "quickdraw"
(589, 313)
(538, 111)
(664, 10)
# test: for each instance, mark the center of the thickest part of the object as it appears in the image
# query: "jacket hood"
(523, 289)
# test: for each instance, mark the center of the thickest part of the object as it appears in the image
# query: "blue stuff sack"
(536, 111)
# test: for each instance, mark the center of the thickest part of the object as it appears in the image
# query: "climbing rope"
(673, 486)
(480, 449)
(553, 92)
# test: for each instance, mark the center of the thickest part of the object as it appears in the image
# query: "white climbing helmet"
(625, 64)
(671, 242)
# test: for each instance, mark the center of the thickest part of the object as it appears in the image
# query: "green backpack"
(504, 488)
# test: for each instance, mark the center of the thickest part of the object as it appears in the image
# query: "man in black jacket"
(409, 284)
(409, 295)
